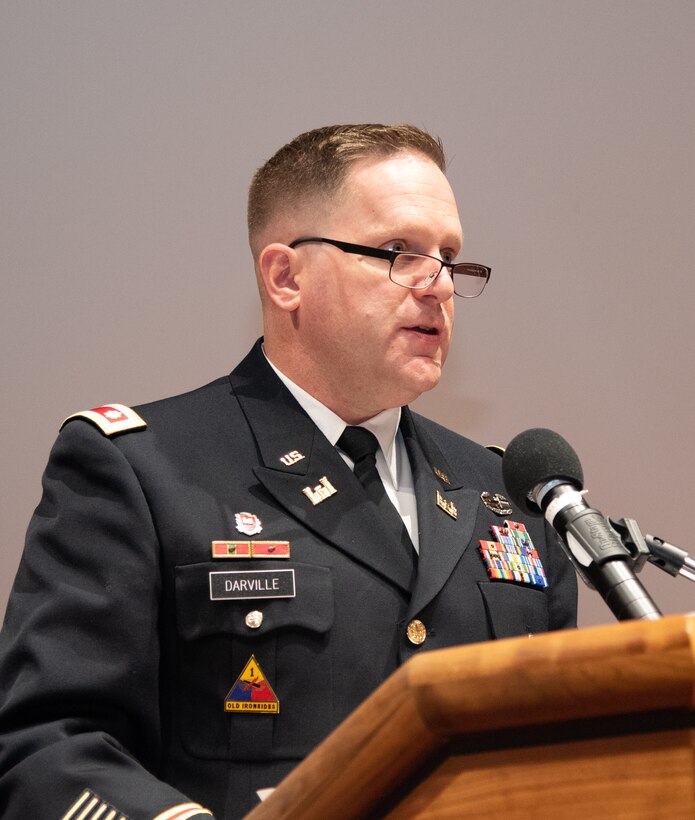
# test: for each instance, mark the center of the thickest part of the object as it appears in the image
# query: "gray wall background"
(129, 133)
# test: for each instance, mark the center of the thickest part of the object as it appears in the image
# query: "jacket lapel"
(343, 515)
(443, 538)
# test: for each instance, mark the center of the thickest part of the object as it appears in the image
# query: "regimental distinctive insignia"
(110, 418)
(448, 506)
(444, 477)
(291, 458)
(248, 523)
(90, 806)
(497, 503)
(252, 692)
(512, 557)
(250, 549)
(323, 490)
(238, 585)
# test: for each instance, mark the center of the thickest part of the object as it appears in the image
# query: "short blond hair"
(314, 165)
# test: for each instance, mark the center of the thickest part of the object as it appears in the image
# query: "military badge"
(448, 506)
(443, 476)
(250, 549)
(291, 458)
(513, 557)
(252, 692)
(497, 503)
(248, 523)
(323, 490)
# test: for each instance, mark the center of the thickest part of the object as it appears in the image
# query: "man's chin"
(421, 379)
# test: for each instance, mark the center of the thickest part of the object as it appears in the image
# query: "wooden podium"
(593, 723)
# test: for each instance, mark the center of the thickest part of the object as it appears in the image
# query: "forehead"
(401, 191)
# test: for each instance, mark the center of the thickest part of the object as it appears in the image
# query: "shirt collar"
(384, 425)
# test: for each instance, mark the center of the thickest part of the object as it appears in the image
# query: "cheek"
(446, 338)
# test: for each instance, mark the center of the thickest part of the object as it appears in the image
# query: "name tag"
(263, 583)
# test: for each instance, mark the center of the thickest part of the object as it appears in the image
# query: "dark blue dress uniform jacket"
(115, 662)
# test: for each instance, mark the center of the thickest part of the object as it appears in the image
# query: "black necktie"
(361, 445)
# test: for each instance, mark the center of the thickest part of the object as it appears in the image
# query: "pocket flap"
(198, 616)
(514, 610)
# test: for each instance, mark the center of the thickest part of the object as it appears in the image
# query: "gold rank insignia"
(323, 490)
(110, 418)
(448, 506)
(252, 692)
(250, 549)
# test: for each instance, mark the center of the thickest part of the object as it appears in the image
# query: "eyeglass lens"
(415, 271)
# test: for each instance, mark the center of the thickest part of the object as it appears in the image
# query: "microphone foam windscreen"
(535, 457)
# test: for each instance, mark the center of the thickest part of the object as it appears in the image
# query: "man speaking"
(213, 581)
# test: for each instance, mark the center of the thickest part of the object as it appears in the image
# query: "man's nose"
(442, 287)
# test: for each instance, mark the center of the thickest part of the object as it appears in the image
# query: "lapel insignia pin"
(323, 490)
(250, 549)
(448, 506)
(248, 523)
(252, 692)
(291, 458)
(513, 557)
(444, 477)
(497, 503)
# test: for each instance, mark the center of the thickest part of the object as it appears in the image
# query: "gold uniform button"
(416, 632)
(254, 619)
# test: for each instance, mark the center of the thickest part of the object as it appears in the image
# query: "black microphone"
(543, 476)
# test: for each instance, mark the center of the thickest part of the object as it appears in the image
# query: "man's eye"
(448, 256)
(399, 246)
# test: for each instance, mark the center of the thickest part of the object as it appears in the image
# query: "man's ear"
(278, 266)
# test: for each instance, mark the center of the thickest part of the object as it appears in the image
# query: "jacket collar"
(297, 462)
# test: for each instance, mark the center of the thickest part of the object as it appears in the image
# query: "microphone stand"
(643, 548)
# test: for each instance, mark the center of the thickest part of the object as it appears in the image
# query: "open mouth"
(429, 331)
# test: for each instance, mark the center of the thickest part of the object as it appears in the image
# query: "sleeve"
(80, 731)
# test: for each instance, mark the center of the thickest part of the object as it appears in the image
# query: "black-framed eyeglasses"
(416, 270)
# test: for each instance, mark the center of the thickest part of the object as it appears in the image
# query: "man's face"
(377, 344)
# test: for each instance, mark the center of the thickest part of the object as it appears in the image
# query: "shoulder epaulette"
(110, 418)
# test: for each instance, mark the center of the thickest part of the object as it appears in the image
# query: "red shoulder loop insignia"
(110, 418)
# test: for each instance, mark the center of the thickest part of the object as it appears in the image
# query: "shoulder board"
(110, 418)
(495, 448)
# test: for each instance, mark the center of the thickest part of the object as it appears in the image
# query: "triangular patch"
(252, 692)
